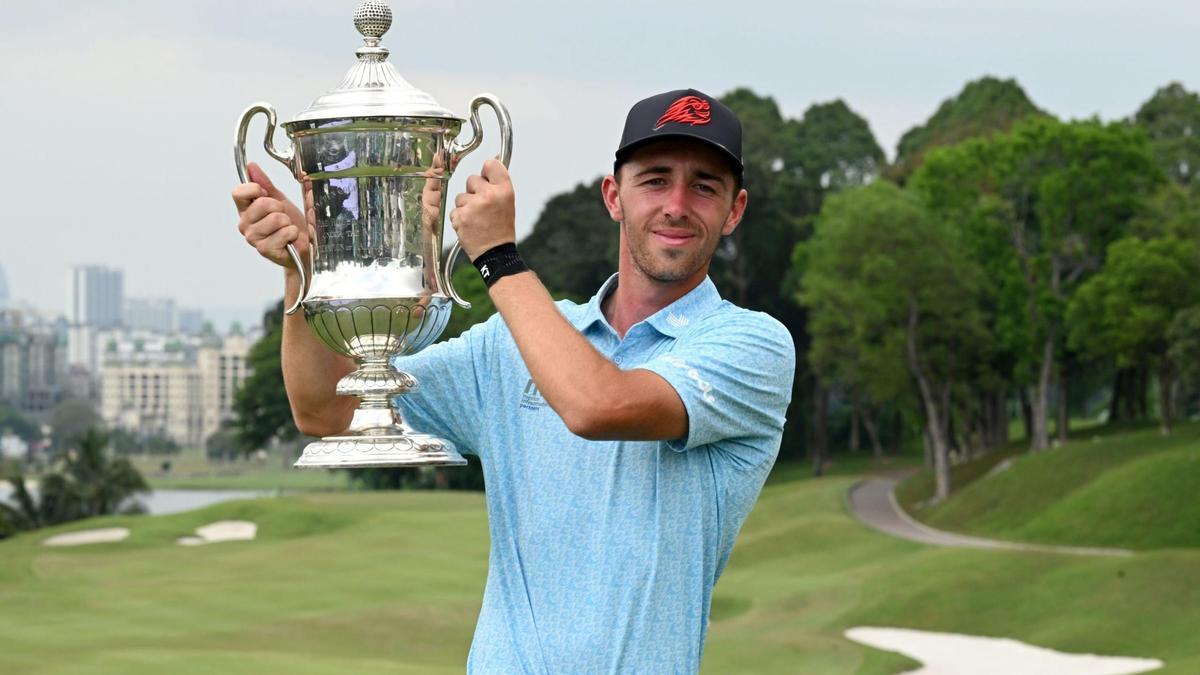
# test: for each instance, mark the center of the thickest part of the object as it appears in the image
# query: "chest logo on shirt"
(531, 398)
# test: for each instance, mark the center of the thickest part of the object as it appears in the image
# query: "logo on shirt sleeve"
(705, 388)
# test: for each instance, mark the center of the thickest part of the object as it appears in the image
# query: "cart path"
(873, 501)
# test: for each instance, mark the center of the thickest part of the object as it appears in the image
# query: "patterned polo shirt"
(604, 553)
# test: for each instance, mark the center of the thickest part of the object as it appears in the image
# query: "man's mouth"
(674, 236)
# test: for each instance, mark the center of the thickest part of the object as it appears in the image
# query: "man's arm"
(269, 222)
(596, 399)
(311, 371)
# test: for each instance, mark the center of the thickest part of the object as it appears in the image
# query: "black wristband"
(498, 262)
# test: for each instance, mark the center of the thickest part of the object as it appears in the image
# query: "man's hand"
(485, 215)
(268, 220)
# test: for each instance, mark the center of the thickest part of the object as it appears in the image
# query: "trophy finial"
(372, 19)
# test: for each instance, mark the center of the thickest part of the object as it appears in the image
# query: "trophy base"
(401, 448)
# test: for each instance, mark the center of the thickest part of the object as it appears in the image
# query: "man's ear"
(736, 212)
(609, 190)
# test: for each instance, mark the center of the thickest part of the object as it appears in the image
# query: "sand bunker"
(952, 654)
(103, 535)
(222, 530)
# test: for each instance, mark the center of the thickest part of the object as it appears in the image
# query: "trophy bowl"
(373, 158)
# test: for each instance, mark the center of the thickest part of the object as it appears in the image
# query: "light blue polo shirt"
(604, 553)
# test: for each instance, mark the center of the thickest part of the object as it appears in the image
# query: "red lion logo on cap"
(687, 110)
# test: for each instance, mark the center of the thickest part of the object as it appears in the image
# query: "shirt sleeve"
(448, 399)
(735, 379)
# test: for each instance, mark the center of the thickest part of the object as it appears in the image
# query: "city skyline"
(163, 85)
(133, 309)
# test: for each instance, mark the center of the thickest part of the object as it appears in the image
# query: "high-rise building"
(3, 289)
(190, 321)
(96, 296)
(153, 314)
(31, 369)
(222, 371)
(83, 348)
(95, 302)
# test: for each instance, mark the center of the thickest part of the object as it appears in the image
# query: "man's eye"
(703, 187)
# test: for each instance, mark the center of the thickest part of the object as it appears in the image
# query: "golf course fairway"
(356, 582)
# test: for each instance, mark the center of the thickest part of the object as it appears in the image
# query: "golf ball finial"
(373, 18)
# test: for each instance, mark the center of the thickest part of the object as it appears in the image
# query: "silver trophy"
(374, 157)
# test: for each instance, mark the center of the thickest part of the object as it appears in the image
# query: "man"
(623, 441)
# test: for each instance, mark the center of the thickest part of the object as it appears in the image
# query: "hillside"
(1132, 489)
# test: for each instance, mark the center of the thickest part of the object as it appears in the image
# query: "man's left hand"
(485, 215)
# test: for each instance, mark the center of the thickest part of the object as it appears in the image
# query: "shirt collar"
(593, 312)
(671, 320)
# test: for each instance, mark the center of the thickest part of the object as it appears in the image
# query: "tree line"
(1006, 264)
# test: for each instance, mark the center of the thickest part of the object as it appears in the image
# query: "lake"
(161, 502)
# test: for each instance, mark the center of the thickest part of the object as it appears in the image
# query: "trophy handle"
(458, 151)
(286, 158)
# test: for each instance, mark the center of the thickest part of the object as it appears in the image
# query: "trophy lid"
(373, 87)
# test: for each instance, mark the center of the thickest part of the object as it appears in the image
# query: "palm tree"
(87, 483)
(25, 515)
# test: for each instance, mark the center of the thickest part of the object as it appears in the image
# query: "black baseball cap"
(683, 113)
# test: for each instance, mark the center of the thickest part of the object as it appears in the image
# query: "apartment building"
(155, 385)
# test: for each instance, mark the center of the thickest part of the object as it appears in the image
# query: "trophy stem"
(378, 436)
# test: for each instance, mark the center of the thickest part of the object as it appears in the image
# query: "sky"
(118, 117)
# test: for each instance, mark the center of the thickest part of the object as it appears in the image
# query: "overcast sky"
(118, 116)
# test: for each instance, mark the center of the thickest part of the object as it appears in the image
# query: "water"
(161, 502)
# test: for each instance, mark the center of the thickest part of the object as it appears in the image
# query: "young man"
(623, 441)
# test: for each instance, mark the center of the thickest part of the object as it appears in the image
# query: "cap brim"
(624, 151)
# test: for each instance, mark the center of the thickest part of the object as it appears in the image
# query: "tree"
(124, 442)
(1183, 339)
(886, 283)
(573, 245)
(1172, 211)
(470, 287)
(90, 483)
(87, 482)
(260, 407)
(24, 514)
(830, 149)
(1125, 310)
(69, 421)
(1171, 118)
(1063, 192)
(750, 263)
(469, 477)
(223, 445)
(18, 424)
(983, 107)
(790, 166)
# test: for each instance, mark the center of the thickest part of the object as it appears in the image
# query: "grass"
(1131, 488)
(391, 582)
(335, 583)
(191, 470)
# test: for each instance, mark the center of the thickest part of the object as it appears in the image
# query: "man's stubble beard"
(677, 267)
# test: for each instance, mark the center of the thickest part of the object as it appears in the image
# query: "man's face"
(675, 199)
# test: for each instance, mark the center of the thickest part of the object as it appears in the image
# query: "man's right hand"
(269, 220)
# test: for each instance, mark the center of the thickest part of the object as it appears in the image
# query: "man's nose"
(675, 206)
